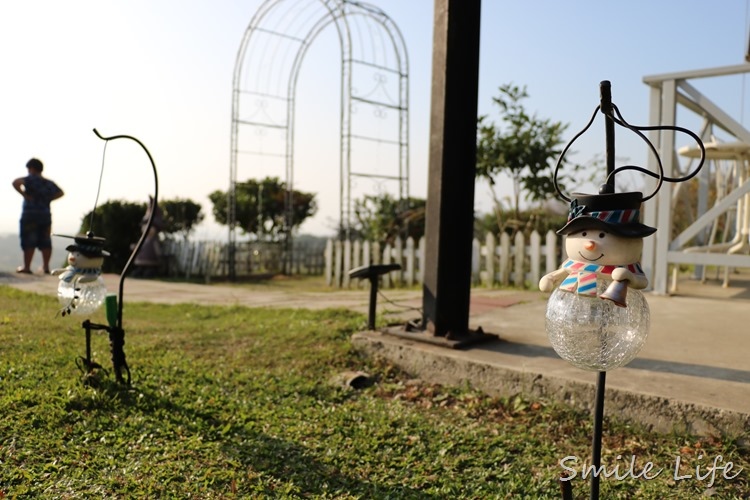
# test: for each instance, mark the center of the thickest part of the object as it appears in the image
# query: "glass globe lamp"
(596, 334)
(87, 299)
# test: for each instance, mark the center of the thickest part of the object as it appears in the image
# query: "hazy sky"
(161, 70)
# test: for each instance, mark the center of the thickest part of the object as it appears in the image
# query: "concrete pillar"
(452, 166)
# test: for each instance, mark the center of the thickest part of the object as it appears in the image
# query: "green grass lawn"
(231, 402)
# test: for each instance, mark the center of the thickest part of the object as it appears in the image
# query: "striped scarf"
(82, 274)
(582, 276)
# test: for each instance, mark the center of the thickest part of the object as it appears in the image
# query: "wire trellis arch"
(268, 65)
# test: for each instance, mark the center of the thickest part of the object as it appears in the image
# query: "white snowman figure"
(81, 289)
(85, 260)
(604, 242)
(589, 322)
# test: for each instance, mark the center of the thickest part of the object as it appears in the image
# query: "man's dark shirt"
(41, 191)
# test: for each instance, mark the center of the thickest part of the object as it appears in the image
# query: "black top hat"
(87, 244)
(617, 213)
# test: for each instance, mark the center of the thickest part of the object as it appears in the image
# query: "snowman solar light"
(81, 289)
(597, 318)
(590, 323)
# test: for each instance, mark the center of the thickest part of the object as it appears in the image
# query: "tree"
(269, 194)
(383, 217)
(525, 149)
(540, 219)
(120, 223)
(180, 216)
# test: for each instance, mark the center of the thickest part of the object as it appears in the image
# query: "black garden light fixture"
(597, 319)
(79, 297)
(373, 273)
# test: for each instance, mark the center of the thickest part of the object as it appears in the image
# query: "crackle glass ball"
(90, 296)
(595, 334)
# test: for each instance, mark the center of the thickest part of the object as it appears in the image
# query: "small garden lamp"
(590, 323)
(82, 290)
(597, 318)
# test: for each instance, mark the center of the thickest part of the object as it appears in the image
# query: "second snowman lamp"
(81, 289)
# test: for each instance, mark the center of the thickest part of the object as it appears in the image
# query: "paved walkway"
(694, 370)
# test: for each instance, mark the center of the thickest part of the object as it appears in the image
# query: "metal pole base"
(453, 340)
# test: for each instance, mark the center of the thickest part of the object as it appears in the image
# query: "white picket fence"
(496, 261)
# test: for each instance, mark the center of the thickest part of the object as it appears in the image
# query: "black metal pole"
(596, 448)
(605, 90)
(87, 326)
(116, 332)
(566, 489)
(373, 301)
(138, 245)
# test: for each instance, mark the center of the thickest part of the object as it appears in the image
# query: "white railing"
(497, 261)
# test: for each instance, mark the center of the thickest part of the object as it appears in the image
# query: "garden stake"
(114, 303)
(592, 322)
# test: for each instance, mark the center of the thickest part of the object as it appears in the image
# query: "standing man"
(36, 217)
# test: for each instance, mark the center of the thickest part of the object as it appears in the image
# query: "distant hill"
(310, 241)
(11, 257)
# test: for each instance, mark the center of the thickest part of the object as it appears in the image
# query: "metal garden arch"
(373, 55)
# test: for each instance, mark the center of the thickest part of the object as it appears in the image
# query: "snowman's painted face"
(81, 261)
(603, 248)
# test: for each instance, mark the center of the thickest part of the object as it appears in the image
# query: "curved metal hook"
(661, 177)
(138, 246)
(616, 116)
(565, 150)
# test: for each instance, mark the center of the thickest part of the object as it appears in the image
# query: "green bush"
(119, 222)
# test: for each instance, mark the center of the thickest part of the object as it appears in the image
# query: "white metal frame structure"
(661, 251)
(730, 164)
(266, 73)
